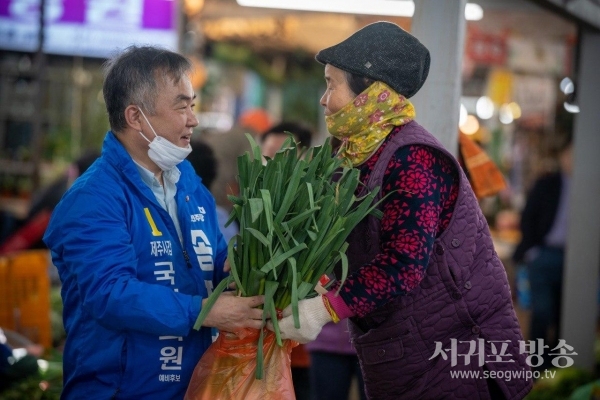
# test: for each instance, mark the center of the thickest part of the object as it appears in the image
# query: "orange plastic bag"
(227, 369)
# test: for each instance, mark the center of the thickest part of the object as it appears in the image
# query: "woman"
(427, 295)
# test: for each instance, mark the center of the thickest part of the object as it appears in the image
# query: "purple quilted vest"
(464, 296)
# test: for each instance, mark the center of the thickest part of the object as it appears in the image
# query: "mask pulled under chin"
(164, 153)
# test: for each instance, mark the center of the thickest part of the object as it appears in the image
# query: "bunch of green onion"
(294, 213)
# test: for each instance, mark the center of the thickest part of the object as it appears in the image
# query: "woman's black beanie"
(384, 52)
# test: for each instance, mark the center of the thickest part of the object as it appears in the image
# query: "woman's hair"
(131, 78)
(358, 83)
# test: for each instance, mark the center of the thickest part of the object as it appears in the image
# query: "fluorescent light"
(471, 125)
(572, 108)
(567, 86)
(396, 8)
(473, 12)
(462, 116)
(505, 114)
(484, 107)
(373, 7)
(515, 109)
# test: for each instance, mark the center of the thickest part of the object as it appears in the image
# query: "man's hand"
(313, 315)
(231, 313)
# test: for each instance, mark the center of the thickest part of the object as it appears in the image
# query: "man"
(544, 223)
(137, 244)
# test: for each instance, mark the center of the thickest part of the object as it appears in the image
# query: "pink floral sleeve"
(424, 183)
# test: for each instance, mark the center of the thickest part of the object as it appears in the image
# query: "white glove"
(313, 315)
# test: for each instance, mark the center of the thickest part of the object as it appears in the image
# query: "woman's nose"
(323, 100)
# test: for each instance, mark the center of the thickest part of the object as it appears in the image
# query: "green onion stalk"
(295, 213)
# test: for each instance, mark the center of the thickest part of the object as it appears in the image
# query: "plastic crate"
(25, 295)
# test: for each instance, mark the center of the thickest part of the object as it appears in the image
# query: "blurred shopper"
(425, 283)
(205, 164)
(137, 243)
(333, 364)
(271, 141)
(48, 197)
(544, 223)
(228, 146)
(29, 235)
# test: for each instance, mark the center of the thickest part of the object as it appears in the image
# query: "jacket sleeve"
(419, 188)
(94, 251)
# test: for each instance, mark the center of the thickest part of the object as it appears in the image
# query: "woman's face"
(338, 93)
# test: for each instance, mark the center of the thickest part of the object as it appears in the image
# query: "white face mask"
(164, 153)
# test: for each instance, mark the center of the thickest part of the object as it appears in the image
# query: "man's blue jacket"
(131, 290)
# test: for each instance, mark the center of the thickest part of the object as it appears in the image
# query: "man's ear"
(133, 117)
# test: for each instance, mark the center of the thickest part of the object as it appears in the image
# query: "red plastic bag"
(227, 369)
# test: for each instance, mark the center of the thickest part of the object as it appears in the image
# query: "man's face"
(338, 93)
(174, 117)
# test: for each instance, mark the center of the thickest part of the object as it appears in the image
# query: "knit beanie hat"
(384, 52)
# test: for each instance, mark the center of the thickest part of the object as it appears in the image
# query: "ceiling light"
(471, 125)
(373, 7)
(473, 12)
(505, 114)
(515, 109)
(572, 108)
(567, 86)
(462, 116)
(484, 107)
(397, 8)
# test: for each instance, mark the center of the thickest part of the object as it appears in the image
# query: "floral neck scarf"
(363, 124)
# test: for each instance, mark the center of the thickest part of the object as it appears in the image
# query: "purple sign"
(73, 11)
(4, 8)
(94, 28)
(158, 14)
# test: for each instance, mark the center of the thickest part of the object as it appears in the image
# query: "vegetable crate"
(25, 295)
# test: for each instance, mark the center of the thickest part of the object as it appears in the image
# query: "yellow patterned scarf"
(363, 124)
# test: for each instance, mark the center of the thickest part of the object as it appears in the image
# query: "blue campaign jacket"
(131, 291)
